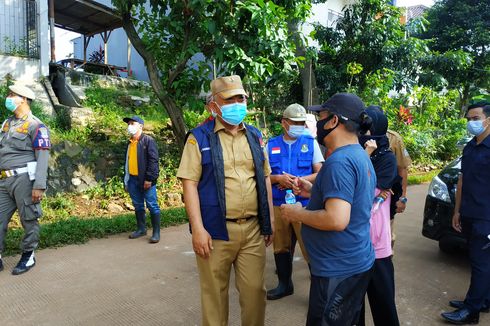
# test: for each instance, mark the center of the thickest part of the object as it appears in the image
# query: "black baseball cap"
(346, 105)
(134, 118)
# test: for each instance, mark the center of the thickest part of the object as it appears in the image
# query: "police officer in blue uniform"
(472, 216)
(24, 155)
(292, 154)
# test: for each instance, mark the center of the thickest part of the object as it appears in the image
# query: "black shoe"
(1, 265)
(458, 304)
(461, 316)
(284, 265)
(26, 262)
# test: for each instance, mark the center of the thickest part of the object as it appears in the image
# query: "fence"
(19, 31)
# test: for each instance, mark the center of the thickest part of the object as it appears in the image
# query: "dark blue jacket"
(211, 187)
(148, 169)
(298, 162)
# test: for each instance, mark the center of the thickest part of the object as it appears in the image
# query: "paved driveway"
(117, 281)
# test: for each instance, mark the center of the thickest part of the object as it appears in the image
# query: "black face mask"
(322, 133)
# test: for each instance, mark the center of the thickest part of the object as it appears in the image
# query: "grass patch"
(424, 177)
(78, 231)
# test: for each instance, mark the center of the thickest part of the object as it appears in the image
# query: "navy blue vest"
(298, 161)
(211, 187)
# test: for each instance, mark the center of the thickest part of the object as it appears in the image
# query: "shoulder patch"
(191, 141)
(41, 139)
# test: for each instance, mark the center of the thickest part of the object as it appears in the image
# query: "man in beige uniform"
(227, 193)
(403, 161)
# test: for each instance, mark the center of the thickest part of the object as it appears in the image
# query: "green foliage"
(193, 119)
(415, 179)
(368, 39)
(110, 189)
(18, 49)
(191, 40)
(458, 32)
(77, 231)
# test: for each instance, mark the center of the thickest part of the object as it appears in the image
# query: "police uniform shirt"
(403, 159)
(240, 185)
(25, 140)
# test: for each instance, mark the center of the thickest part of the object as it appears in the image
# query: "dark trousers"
(477, 232)
(381, 295)
(336, 301)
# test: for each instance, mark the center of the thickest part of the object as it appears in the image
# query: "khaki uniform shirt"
(240, 185)
(397, 146)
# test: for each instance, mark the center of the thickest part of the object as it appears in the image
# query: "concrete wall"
(23, 69)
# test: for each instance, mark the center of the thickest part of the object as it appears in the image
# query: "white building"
(24, 39)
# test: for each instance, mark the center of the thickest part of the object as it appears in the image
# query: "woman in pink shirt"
(381, 288)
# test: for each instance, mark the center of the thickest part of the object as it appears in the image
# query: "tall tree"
(459, 34)
(182, 40)
(367, 39)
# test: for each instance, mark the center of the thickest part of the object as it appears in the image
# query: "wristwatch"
(403, 200)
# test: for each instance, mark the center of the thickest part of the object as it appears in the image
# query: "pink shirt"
(380, 229)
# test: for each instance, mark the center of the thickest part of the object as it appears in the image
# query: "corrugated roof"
(415, 11)
(86, 17)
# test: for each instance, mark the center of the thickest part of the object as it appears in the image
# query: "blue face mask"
(475, 127)
(234, 114)
(10, 104)
(296, 131)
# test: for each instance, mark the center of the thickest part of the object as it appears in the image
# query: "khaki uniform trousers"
(245, 251)
(283, 231)
(16, 193)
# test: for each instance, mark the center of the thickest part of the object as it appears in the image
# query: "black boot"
(140, 224)
(26, 262)
(284, 265)
(155, 224)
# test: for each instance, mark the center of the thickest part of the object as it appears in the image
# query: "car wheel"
(448, 246)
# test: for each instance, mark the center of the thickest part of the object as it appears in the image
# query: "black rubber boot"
(155, 224)
(26, 262)
(140, 225)
(284, 265)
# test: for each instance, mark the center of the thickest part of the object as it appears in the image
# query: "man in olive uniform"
(24, 154)
(227, 192)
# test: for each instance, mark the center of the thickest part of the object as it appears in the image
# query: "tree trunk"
(175, 114)
(307, 74)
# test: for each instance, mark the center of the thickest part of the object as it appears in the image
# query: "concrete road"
(117, 281)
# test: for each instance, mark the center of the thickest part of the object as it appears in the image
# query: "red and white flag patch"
(276, 150)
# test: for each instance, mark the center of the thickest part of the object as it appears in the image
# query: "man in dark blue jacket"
(140, 178)
(472, 216)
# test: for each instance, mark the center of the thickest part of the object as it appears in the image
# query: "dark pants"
(477, 232)
(381, 295)
(336, 301)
